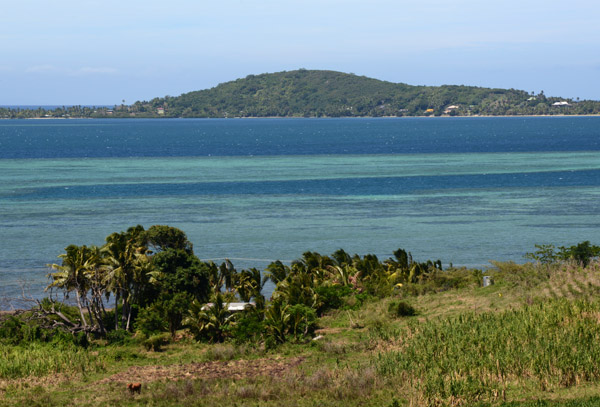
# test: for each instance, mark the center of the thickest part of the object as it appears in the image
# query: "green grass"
(481, 356)
(41, 359)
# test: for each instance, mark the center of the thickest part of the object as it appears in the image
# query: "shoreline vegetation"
(328, 94)
(338, 328)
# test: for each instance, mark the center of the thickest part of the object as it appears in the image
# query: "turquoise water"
(469, 205)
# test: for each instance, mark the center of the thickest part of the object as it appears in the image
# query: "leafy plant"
(210, 321)
(401, 309)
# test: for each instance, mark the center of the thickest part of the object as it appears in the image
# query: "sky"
(103, 52)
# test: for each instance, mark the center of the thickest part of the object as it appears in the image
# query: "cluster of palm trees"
(300, 282)
(153, 275)
(303, 290)
(122, 268)
(152, 269)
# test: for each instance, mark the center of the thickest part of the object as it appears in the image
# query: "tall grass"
(41, 359)
(479, 356)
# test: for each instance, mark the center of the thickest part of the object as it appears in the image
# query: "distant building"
(160, 110)
(450, 108)
(563, 103)
(232, 306)
(429, 111)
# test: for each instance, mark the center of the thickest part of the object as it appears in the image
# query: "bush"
(15, 331)
(356, 301)
(79, 339)
(249, 327)
(151, 321)
(331, 297)
(118, 337)
(401, 309)
(302, 322)
(11, 331)
(156, 342)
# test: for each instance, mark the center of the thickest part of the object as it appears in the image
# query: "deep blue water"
(464, 190)
(269, 137)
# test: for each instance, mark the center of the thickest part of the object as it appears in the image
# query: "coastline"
(301, 117)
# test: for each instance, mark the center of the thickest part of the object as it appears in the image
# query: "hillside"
(315, 93)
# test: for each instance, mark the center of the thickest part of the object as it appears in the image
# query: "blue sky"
(102, 52)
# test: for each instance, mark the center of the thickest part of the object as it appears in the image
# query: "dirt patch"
(325, 331)
(235, 369)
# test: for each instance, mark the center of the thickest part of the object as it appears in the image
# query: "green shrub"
(401, 309)
(11, 331)
(249, 327)
(118, 337)
(331, 297)
(151, 321)
(156, 342)
(356, 301)
(14, 331)
(302, 322)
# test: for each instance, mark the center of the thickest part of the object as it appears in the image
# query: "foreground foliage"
(339, 328)
(478, 356)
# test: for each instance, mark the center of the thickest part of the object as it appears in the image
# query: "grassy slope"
(529, 340)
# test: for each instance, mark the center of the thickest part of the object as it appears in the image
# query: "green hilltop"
(318, 93)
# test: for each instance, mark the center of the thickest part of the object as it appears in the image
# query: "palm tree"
(95, 273)
(128, 271)
(75, 273)
(277, 272)
(210, 320)
(277, 319)
(249, 285)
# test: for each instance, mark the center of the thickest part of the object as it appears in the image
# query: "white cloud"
(88, 70)
(41, 69)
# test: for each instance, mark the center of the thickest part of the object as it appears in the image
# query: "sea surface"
(463, 190)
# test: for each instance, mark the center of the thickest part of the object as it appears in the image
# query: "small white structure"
(232, 306)
(450, 108)
(563, 103)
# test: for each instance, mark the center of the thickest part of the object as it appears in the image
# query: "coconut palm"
(127, 271)
(77, 272)
(277, 319)
(277, 272)
(211, 320)
(249, 285)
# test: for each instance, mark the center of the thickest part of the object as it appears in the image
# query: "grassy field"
(531, 339)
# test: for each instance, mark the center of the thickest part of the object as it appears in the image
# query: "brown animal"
(134, 388)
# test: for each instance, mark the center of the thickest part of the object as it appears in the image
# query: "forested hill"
(315, 93)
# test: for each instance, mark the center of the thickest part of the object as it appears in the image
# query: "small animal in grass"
(134, 388)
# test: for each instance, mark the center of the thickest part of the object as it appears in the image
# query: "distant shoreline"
(295, 117)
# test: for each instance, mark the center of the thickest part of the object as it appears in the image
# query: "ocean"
(463, 190)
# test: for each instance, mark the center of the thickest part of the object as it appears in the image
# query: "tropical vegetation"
(338, 328)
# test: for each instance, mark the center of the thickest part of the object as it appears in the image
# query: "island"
(321, 93)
